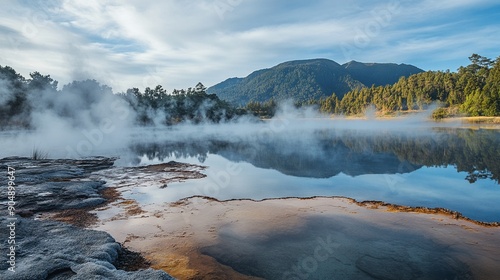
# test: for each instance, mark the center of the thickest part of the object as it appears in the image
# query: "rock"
(29, 171)
(54, 250)
(47, 185)
(57, 195)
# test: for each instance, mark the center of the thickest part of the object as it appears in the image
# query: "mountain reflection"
(327, 153)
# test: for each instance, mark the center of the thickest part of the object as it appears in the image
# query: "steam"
(87, 119)
(5, 93)
(83, 119)
(290, 123)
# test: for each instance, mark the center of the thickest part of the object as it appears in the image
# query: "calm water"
(451, 168)
(400, 163)
(338, 248)
(422, 166)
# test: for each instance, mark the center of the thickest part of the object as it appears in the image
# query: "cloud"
(178, 43)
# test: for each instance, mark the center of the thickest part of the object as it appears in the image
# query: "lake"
(408, 162)
(448, 167)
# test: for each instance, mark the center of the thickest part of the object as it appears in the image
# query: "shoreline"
(48, 190)
(175, 237)
(457, 122)
(373, 204)
(191, 238)
(475, 120)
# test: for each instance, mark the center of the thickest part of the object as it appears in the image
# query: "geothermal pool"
(451, 168)
(241, 237)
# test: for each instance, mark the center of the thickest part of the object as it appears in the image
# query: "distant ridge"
(379, 74)
(302, 80)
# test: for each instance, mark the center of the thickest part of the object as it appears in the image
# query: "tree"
(491, 91)
(200, 88)
(41, 82)
(15, 109)
(329, 105)
(481, 61)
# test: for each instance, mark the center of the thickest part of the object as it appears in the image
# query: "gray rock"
(54, 250)
(29, 171)
(47, 185)
(57, 195)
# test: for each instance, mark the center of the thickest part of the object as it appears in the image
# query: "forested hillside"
(304, 80)
(379, 74)
(473, 90)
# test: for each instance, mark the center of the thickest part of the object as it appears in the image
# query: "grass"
(37, 154)
(482, 120)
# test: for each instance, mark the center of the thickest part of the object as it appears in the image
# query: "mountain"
(379, 74)
(308, 79)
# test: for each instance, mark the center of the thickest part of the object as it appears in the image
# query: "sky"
(178, 43)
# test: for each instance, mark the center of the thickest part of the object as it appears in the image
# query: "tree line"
(193, 104)
(473, 90)
(21, 97)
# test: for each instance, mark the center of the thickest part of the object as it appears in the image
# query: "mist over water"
(81, 119)
(299, 153)
(433, 167)
(163, 216)
(409, 161)
(70, 126)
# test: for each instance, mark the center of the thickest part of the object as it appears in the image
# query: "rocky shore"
(72, 221)
(36, 247)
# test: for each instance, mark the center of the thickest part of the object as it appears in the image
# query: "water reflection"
(425, 167)
(327, 153)
(338, 248)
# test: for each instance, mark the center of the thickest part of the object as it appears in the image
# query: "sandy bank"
(189, 238)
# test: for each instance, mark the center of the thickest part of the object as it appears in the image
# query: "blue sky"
(178, 43)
